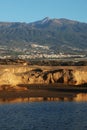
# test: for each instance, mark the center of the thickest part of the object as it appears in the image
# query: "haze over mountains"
(58, 34)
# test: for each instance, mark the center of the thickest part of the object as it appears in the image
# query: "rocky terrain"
(15, 76)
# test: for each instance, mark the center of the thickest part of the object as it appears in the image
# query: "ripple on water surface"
(44, 116)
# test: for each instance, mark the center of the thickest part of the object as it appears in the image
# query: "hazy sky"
(33, 10)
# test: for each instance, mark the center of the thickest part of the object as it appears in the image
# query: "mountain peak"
(45, 20)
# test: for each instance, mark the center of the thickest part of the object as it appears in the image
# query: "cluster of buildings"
(49, 56)
(34, 51)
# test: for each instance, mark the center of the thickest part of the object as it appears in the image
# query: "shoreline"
(44, 90)
(42, 94)
(33, 81)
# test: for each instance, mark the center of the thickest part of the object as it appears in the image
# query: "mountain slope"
(58, 34)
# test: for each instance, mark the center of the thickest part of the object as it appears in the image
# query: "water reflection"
(77, 97)
(80, 97)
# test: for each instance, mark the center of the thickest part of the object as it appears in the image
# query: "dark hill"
(58, 34)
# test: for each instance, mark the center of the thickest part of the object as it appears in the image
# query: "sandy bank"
(19, 77)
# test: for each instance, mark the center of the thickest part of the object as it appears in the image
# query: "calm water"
(54, 115)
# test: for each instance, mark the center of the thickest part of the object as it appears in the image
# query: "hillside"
(58, 34)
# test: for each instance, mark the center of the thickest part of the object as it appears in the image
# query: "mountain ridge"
(58, 34)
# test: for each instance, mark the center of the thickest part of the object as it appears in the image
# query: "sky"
(34, 10)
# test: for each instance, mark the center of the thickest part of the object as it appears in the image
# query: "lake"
(44, 115)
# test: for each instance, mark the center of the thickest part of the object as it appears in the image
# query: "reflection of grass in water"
(34, 99)
(77, 97)
(51, 92)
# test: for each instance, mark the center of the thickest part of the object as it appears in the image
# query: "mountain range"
(58, 34)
